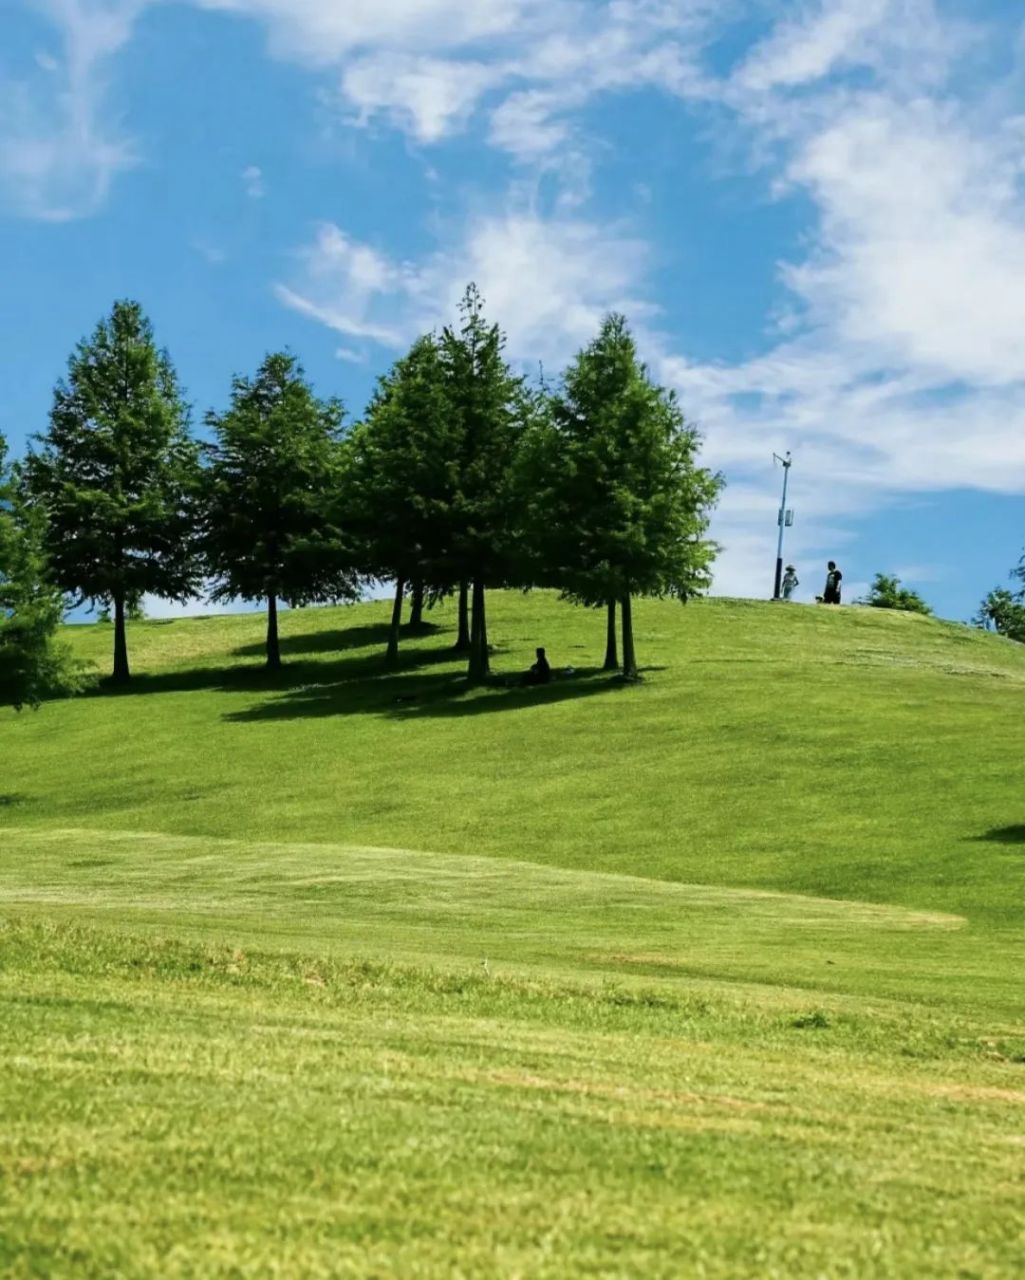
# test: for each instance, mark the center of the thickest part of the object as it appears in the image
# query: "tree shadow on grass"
(1005, 835)
(336, 641)
(411, 695)
(293, 676)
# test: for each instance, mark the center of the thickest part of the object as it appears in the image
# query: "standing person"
(790, 582)
(834, 577)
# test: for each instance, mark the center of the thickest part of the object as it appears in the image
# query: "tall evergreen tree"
(33, 663)
(116, 474)
(490, 409)
(273, 471)
(620, 507)
(402, 480)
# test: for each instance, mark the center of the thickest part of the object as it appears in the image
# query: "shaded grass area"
(182, 1110)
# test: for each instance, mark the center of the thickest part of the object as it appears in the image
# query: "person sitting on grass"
(540, 672)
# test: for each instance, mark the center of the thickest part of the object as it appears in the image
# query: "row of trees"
(460, 477)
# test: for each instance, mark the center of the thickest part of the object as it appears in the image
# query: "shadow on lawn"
(1005, 835)
(253, 678)
(359, 683)
(337, 641)
(412, 695)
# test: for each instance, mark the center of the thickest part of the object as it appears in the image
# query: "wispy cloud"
(60, 148)
(253, 180)
(549, 280)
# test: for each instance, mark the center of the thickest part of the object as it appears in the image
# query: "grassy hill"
(344, 972)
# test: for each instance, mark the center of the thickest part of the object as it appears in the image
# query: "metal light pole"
(786, 519)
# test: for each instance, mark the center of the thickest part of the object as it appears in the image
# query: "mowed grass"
(352, 973)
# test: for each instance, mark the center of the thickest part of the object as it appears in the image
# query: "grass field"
(342, 972)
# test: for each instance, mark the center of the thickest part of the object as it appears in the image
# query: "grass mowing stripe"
(394, 1119)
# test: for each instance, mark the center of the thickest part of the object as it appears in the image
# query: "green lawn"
(350, 973)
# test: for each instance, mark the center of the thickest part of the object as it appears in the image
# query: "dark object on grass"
(831, 595)
(540, 672)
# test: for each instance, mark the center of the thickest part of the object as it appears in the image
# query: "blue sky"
(812, 212)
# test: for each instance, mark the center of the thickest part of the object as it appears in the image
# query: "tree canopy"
(116, 474)
(274, 468)
(887, 592)
(402, 479)
(620, 507)
(1003, 612)
(461, 476)
(34, 664)
(490, 409)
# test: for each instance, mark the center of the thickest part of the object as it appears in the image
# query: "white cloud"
(422, 66)
(327, 31)
(59, 152)
(341, 284)
(905, 41)
(426, 66)
(214, 255)
(351, 356)
(921, 255)
(808, 47)
(532, 123)
(424, 96)
(548, 281)
(252, 178)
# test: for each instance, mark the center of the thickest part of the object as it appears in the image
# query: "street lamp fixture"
(785, 520)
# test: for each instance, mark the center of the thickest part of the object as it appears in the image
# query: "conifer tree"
(401, 480)
(34, 664)
(273, 472)
(490, 409)
(620, 507)
(116, 475)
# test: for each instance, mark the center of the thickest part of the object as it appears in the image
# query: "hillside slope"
(844, 753)
(341, 972)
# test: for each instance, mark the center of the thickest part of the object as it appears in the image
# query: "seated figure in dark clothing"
(540, 672)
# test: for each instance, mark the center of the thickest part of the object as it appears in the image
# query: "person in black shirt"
(834, 577)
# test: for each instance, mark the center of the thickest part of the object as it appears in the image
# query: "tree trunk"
(611, 652)
(391, 658)
(629, 657)
(462, 644)
(273, 644)
(416, 611)
(479, 667)
(121, 674)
